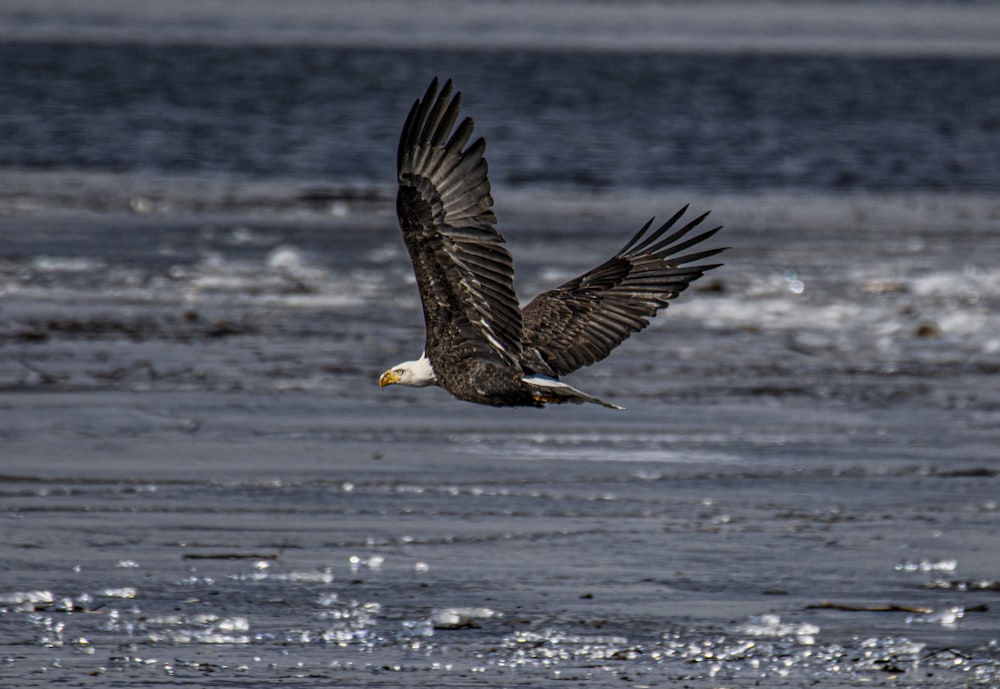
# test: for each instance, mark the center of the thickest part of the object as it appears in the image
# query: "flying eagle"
(481, 346)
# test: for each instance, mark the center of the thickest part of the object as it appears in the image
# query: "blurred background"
(206, 154)
(760, 95)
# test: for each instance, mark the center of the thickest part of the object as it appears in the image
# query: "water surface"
(201, 279)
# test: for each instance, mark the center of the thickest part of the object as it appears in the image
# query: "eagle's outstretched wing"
(580, 322)
(465, 275)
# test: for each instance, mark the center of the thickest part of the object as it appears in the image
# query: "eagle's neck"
(421, 372)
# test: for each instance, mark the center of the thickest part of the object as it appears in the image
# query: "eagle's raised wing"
(580, 322)
(465, 275)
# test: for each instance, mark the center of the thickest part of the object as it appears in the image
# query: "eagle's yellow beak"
(388, 378)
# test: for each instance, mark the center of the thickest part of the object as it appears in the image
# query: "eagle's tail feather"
(552, 391)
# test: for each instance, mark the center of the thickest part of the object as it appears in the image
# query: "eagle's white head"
(415, 374)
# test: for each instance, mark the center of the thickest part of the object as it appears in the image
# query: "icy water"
(201, 279)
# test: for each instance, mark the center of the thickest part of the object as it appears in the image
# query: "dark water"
(580, 120)
(201, 278)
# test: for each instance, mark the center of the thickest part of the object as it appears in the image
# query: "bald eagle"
(481, 346)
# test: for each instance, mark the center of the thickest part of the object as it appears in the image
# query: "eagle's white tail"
(554, 391)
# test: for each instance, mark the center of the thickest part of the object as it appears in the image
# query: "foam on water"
(27, 600)
(457, 618)
(772, 626)
(197, 629)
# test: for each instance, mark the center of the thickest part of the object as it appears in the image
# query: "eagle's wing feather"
(465, 275)
(582, 321)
